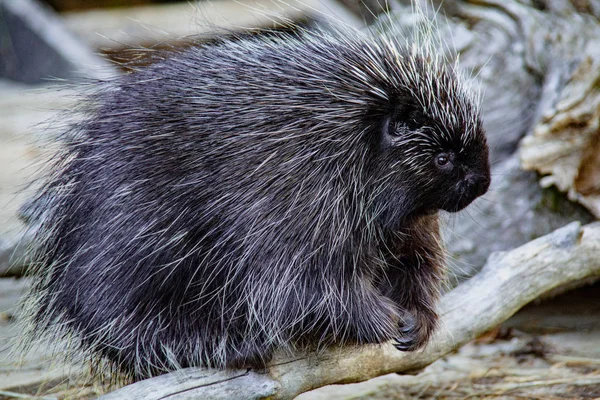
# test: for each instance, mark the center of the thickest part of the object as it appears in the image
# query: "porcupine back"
(227, 200)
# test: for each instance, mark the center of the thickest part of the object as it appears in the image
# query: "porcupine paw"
(414, 331)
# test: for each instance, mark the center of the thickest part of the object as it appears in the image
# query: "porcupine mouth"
(466, 193)
(459, 205)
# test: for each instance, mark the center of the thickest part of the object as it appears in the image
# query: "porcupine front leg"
(413, 279)
(368, 317)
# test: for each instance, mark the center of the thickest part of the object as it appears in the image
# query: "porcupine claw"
(409, 332)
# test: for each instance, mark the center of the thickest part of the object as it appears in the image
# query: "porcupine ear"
(397, 123)
(405, 115)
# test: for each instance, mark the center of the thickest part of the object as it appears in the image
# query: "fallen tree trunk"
(508, 281)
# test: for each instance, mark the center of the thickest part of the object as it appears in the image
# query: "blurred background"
(537, 63)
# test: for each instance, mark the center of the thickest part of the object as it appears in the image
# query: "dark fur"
(253, 195)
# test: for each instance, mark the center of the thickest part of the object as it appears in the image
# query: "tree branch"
(508, 281)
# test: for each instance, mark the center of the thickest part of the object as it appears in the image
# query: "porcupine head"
(257, 193)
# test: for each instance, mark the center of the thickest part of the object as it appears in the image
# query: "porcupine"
(257, 194)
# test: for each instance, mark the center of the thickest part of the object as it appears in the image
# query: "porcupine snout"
(473, 185)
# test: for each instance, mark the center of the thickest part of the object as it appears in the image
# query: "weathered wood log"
(508, 281)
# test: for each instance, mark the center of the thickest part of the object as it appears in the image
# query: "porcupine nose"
(476, 184)
(471, 186)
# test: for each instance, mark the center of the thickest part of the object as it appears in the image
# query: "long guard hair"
(254, 194)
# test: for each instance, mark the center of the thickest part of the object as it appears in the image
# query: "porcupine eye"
(443, 161)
